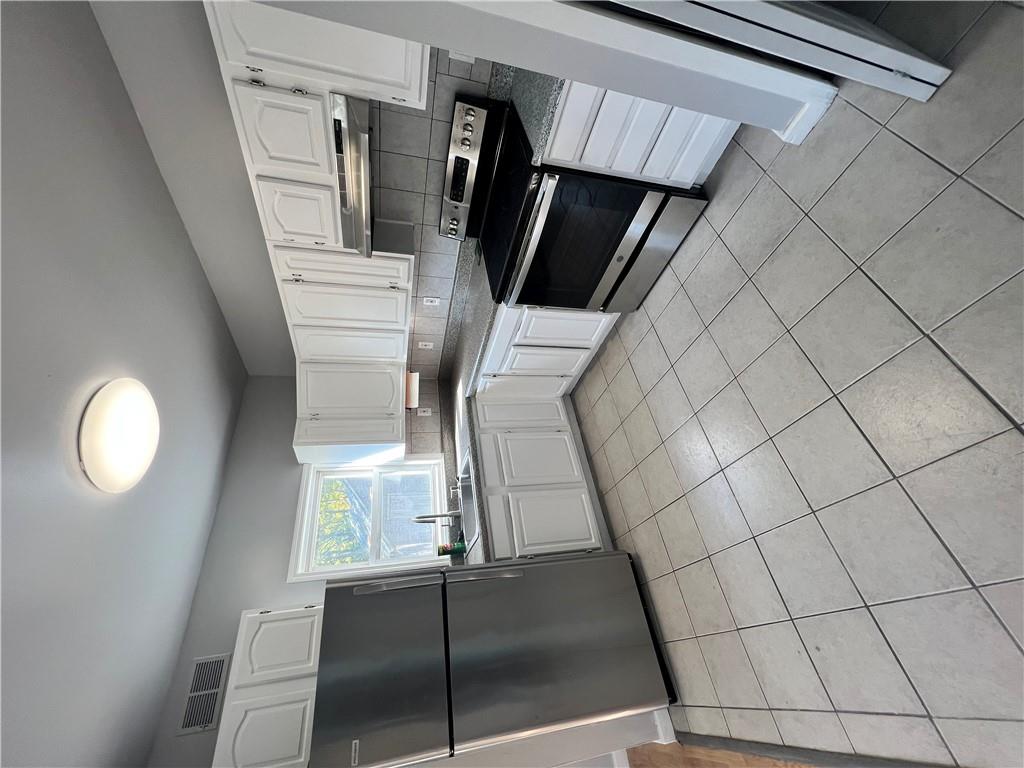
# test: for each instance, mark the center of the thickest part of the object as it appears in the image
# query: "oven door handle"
(534, 229)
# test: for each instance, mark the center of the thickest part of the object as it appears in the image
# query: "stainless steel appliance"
(352, 148)
(555, 237)
(476, 130)
(434, 665)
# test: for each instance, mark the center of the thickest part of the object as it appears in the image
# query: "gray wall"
(99, 281)
(246, 560)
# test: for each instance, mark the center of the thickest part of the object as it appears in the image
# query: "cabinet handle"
(253, 69)
(300, 91)
(319, 242)
(257, 83)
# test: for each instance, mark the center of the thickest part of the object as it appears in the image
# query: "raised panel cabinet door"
(554, 328)
(495, 414)
(538, 458)
(325, 266)
(328, 345)
(377, 439)
(285, 131)
(554, 361)
(522, 387)
(350, 389)
(547, 521)
(298, 212)
(269, 731)
(355, 61)
(357, 306)
(277, 645)
(499, 526)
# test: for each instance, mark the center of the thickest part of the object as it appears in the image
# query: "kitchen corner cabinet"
(311, 52)
(267, 717)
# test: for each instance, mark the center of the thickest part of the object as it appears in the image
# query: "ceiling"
(166, 59)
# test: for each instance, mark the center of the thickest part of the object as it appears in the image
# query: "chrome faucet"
(432, 518)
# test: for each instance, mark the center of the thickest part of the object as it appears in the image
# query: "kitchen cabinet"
(350, 439)
(554, 361)
(622, 135)
(285, 133)
(510, 414)
(300, 212)
(328, 345)
(350, 389)
(529, 457)
(314, 52)
(562, 328)
(321, 265)
(551, 520)
(346, 305)
(522, 387)
(267, 717)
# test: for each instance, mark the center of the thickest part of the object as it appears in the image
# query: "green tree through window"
(344, 522)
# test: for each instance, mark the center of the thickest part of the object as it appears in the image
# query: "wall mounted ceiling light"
(118, 435)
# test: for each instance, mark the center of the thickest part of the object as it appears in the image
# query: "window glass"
(344, 523)
(403, 496)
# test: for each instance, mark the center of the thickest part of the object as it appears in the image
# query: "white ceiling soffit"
(605, 49)
(812, 35)
(166, 59)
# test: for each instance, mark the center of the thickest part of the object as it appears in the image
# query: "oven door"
(579, 240)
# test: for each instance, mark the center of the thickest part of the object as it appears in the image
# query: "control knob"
(469, 114)
(465, 144)
(467, 130)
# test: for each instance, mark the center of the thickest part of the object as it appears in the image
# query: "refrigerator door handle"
(485, 575)
(394, 584)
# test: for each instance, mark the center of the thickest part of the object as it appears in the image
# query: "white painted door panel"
(611, 120)
(366, 430)
(572, 121)
(277, 645)
(670, 143)
(547, 521)
(325, 266)
(500, 527)
(268, 731)
(538, 458)
(550, 361)
(285, 132)
(641, 130)
(354, 61)
(522, 387)
(327, 345)
(551, 327)
(350, 389)
(295, 211)
(492, 414)
(346, 305)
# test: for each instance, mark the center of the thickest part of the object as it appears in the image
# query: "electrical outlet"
(424, 412)
(431, 301)
(424, 345)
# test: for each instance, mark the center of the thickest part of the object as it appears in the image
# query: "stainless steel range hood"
(352, 146)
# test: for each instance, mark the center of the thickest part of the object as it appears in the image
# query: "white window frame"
(300, 564)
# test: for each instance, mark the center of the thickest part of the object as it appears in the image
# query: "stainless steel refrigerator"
(426, 666)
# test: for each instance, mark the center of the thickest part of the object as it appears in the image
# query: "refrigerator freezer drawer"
(381, 693)
(549, 642)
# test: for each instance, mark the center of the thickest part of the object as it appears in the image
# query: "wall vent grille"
(203, 700)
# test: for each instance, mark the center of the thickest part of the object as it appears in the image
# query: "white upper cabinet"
(298, 212)
(285, 133)
(314, 52)
(558, 328)
(350, 439)
(324, 266)
(552, 520)
(623, 135)
(544, 361)
(329, 345)
(359, 306)
(350, 389)
(277, 645)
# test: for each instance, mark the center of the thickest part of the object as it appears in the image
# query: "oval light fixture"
(118, 436)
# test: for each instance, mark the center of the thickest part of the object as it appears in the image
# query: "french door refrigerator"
(427, 666)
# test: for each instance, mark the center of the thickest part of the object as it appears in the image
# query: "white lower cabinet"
(359, 306)
(549, 520)
(326, 345)
(528, 457)
(509, 414)
(350, 389)
(549, 361)
(267, 717)
(562, 328)
(522, 387)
